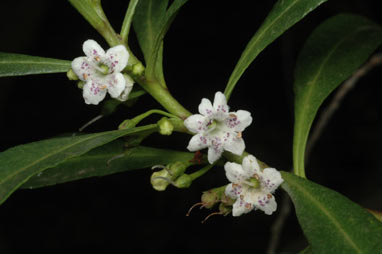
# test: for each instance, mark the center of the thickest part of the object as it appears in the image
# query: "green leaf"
(125, 30)
(151, 22)
(283, 15)
(19, 163)
(331, 222)
(331, 54)
(105, 160)
(92, 11)
(19, 65)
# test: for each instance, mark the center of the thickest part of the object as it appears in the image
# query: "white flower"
(251, 187)
(101, 72)
(217, 128)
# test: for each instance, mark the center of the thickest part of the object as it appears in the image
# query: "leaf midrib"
(312, 83)
(329, 216)
(247, 51)
(38, 62)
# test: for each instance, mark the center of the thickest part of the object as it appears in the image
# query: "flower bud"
(183, 181)
(138, 69)
(165, 126)
(158, 180)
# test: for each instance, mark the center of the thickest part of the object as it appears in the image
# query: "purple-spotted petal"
(214, 153)
(220, 102)
(250, 165)
(93, 50)
(196, 123)
(241, 120)
(93, 93)
(205, 107)
(265, 202)
(116, 84)
(82, 69)
(234, 145)
(116, 58)
(242, 205)
(271, 179)
(235, 173)
(197, 142)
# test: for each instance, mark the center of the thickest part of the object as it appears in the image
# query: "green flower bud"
(210, 198)
(158, 180)
(184, 181)
(71, 75)
(165, 126)
(138, 69)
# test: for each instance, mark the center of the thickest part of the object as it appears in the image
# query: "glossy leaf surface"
(19, 163)
(331, 222)
(105, 160)
(331, 54)
(20, 65)
(283, 15)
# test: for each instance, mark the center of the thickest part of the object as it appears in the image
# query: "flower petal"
(242, 120)
(197, 142)
(116, 58)
(129, 86)
(265, 202)
(220, 102)
(92, 49)
(215, 148)
(241, 206)
(271, 179)
(82, 68)
(214, 154)
(235, 173)
(116, 83)
(92, 93)
(196, 123)
(251, 166)
(205, 107)
(234, 145)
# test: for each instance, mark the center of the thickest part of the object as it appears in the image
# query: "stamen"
(103, 87)
(97, 58)
(212, 214)
(85, 76)
(201, 204)
(269, 195)
(239, 134)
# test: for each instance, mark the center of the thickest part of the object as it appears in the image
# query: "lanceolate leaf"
(19, 163)
(105, 160)
(19, 65)
(331, 222)
(331, 54)
(151, 22)
(284, 14)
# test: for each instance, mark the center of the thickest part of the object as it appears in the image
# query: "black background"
(122, 212)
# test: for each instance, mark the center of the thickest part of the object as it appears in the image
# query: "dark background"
(122, 212)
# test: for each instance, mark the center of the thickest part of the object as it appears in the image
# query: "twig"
(327, 113)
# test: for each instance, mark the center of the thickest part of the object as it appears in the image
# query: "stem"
(163, 96)
(127, 21)
(201, 172)
(140, 117)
